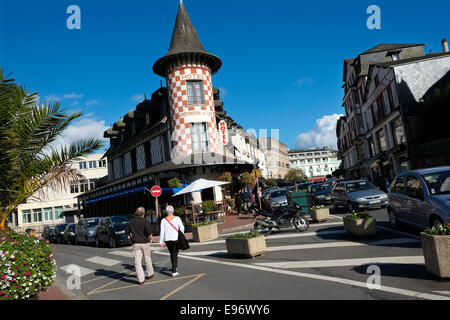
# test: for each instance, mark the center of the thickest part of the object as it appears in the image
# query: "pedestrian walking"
(169, 235)
(139, 231)
(238, 202)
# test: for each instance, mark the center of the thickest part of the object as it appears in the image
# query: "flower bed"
(436, 248)
(246, 244)
(27, 267)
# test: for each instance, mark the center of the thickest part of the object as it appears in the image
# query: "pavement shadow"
(410, 271)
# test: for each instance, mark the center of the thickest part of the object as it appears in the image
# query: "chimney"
(444, 45)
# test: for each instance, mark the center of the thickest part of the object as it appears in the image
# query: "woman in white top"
(169, 234)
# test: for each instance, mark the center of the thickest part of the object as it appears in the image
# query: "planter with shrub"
(436, 250)
(27, 267)
(246, 244)
(360, 224)
(320, 213)
(205, 231)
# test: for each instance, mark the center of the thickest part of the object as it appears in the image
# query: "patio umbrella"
(199, 184)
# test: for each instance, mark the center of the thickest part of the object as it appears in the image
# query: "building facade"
(376, 138)
(173, 134)
(54, 206)
(277, 157)
(318, 162)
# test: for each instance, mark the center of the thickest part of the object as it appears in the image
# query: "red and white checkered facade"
(184, 114)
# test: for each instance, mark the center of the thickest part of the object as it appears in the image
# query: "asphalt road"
(322, 263)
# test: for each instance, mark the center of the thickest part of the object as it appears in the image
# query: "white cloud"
(51, 97)
(83, 128)
(323, 134)
(300, 82)
(91, 102)
(137, 97)
(73, 95)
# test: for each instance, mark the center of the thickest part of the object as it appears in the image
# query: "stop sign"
(156, 191)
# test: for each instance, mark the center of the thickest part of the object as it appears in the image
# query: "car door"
(101, 230)
(417, 209)
(398, 198)
(338, 193)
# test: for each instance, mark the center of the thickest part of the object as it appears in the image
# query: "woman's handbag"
(183, 244)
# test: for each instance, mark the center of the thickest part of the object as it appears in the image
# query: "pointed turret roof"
(185, 43)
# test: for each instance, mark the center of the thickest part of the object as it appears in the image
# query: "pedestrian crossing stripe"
(83, 271)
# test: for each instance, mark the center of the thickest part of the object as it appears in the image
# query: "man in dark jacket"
(139, 231)
(238, 201)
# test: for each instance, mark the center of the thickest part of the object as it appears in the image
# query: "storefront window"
(381, 140)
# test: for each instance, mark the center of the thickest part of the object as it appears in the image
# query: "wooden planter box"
(205, 233)
(436, 251)
(361, 227)
(320, 214)
(246, 247)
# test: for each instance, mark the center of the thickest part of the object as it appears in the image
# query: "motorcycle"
(283, 217)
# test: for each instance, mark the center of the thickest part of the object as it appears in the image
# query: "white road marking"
(343, 262)
(316, 246)
(279, 236)
(84, 271)
(443, 292)
(103, 261)
(122, 253)
(415, 294)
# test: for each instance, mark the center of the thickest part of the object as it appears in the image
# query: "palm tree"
(28, 162)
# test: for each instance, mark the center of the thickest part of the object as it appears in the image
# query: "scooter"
(284, 217)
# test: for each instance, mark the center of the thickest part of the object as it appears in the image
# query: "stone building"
(318, 162)
(277, 157)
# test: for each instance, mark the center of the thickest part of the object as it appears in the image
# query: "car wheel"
(436, 223)
(112, 243)
(393, 219)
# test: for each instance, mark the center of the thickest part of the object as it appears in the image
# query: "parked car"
(319, 193)
(420, 198)
(58, 233)
(69, 234)
(275, 199)
(47, 233)
(111, 231)
(86, 230)
(357, 194)
(304, 186)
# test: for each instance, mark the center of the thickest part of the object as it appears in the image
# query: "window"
(195, 92)
(399, 185)
(83, 186)
(390, 98)
(381, 140)
(397, 131)
(58, 213)
(199, 137)
(26, 216)
(371, 147)
(48, 214)
(413, 187)
(82, 165)
(37, 215)
(92, 183)
(74, 187)
(381, 107)
(92, 164)
(101, 164)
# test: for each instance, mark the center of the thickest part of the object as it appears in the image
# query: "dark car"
(69, 233)
(86, 230)
(111, 231)
(303, 186)
(58, 233)
(420, 198)
(47, 233)
(319, 193)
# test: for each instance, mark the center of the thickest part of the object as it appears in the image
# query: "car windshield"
(92, 222)
(358, 186)
(321, 187)
(438, 183)
(120, 220)
(278, 193)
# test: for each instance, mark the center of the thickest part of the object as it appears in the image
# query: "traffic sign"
(156, 191)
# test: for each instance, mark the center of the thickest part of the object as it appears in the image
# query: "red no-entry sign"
(156, 191)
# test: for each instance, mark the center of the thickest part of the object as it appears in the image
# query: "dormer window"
(395, 55)
(195, 92)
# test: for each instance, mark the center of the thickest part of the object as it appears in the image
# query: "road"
(322, 263)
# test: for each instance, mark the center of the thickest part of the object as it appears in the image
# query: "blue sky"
(282, 61)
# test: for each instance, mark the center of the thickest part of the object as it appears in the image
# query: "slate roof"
(410, 60)
(185, 42)
(390, 46)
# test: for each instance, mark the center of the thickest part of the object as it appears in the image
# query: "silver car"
(420, 198)
(357, 194)
(275, 199)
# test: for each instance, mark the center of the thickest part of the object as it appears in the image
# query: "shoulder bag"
(183, 244)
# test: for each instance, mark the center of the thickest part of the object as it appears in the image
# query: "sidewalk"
(233, 223)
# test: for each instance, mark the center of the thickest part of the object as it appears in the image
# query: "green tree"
(272, 182)
(28, 162)
(295, 175)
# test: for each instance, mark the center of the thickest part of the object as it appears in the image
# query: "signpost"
(156, 191)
